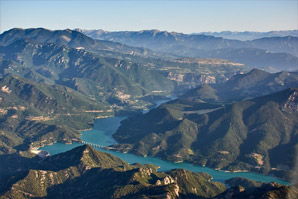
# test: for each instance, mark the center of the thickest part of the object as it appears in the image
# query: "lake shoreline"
(101, 134)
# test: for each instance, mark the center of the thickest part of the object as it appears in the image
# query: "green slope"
(86, 173)
(244, 86)
(244, 188)
(258, 134)
(105, 79)
(42, 114)
(185, 72)
(74, 39)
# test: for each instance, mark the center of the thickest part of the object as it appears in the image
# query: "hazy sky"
(172, 15)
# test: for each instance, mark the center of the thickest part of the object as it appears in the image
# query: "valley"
(102, 135)
(187, 114)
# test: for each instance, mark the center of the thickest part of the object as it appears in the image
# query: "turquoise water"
(102, 134)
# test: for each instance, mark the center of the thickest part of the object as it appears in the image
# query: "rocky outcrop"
(292, 102)
(192, 78)
(165, 181)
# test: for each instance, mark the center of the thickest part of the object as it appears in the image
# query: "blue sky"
(180, 16)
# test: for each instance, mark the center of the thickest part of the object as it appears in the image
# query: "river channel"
(103, 130)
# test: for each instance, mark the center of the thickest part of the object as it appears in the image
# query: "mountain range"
(244, 86)
(53, 84)
(94, 67)
(86, 173)
(253, 135)
(72, 39)
(83, 71)
(282, 49)
(250, 35)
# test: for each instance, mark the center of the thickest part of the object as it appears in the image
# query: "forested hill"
(259, 134)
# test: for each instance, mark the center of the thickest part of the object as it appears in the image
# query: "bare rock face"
(158, 182)
(165, 181)
(145, 171)
(176, 190)
(173, 194)
(189, 77)
(168, 180)
(292, 102)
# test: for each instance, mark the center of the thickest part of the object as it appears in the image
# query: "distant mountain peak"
(257, 71)
(69, 30)
(42, 35)
(151, 31)
(97, 31)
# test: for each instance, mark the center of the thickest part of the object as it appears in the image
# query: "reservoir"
(102, 134)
